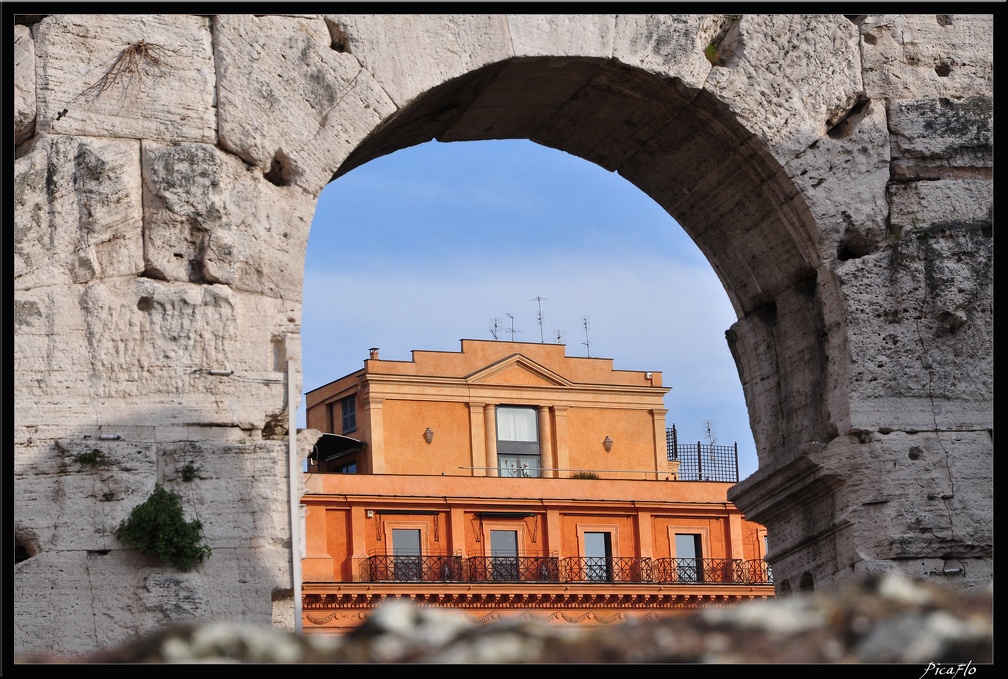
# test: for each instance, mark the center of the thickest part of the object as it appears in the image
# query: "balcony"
(533, 569)
(382, 568)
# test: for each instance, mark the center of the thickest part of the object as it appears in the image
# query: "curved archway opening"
(689, 154)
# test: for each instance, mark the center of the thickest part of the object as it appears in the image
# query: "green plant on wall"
(584, 475)
(189, 472)
(711, 52)
(158, 528)
(92, 458)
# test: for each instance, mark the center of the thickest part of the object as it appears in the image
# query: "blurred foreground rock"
(889, 619)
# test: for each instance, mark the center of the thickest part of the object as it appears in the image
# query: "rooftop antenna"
(708, 426)
(560, 337)
(540, 300)
(584, 324)
(513, 331)
(494, 323)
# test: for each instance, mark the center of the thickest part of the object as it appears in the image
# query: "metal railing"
(435, 568)
(702, 462)
(602, 569)
(412, 568)
(512, 569)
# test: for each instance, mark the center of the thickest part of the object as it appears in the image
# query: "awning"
(331, 446)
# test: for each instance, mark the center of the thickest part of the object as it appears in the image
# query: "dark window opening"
(598, 557)
(349, 409)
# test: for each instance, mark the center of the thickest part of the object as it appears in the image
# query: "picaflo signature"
(949, 669)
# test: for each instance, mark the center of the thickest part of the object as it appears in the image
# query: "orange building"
(511, 479)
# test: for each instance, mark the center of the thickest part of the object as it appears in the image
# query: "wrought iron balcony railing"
(601, 569)
(424, 568)
(440, 568)
(513, 569)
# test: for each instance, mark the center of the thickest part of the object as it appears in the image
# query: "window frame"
(348, 412)
(518, 459)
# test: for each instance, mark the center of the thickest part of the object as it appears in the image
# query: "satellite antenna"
(513, 331)
(540, 300)
(584, 324)
(494, 324)
(708, 426)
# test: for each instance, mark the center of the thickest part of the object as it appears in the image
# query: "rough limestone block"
(52, 365)
(920, 332)
(24, 84)
(790, 78)
(946, 478)
(290, 101)
(927, 55)
(668, 44)
(178, 353)
(73, 491)
(141, 76)
(230, 475)
(77, 208)
(562, 35)
(916, 205)
(408, 55)
(843, 179)
(942, 138)
(209, 218)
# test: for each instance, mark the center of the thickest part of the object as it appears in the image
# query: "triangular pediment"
(518, 370)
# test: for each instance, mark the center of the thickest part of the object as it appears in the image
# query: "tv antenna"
(708, 426)
(584, 324)
(540, 300)
(494, 324)
(513, 331)
(560, 337)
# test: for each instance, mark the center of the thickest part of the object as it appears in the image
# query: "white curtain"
(517, 424)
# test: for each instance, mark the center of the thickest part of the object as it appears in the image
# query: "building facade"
(510, 479)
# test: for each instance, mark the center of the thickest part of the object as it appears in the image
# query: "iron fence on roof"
(702, 461)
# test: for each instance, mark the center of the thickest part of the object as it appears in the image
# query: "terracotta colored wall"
(632, 432)
(338, 542)
(406, 451)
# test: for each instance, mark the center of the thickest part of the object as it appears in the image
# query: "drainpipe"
(294, 472)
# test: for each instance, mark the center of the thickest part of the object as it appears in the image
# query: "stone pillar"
(645, 534)
(490, 425)
(547, 459)
(562, 452)
(377, 447)
(660, 444)
(477, 439)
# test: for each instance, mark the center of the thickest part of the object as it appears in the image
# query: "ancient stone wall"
(836, 171)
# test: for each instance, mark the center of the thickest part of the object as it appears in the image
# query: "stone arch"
(161, 224)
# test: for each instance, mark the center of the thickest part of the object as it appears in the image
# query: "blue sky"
(422, 248)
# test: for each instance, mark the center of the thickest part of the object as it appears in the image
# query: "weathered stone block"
(560, 35)
(141, 76)
(942, 138)
(77, 207)
(942, 201)
(927, 55)
(773, 58)
(24, 84)
(410, 54)
(209, 219)
(669, 43)
(850, 161)
(920, 324)
(290, 101)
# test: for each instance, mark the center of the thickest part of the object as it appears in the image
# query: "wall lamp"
(607, 444)
(428, 435)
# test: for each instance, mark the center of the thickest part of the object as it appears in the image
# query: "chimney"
(374, 353)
